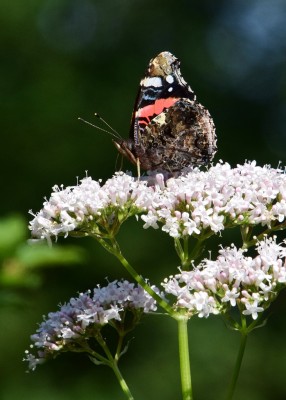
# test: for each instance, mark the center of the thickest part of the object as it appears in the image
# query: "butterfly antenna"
(98, 127)
(107, 124)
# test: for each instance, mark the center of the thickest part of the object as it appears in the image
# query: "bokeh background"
(61, 59)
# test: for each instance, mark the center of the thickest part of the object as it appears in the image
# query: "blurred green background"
(65, 59)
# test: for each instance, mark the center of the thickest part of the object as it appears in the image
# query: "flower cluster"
(234, 279)
(218, 198)
(88, 206)
(84, 316)
(188, 205)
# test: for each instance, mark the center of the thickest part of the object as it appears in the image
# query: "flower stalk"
(138, 278)
(112, 362)
(122, 381)
(243, 339)
(183, 339)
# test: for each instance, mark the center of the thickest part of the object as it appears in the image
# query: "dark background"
(64, 59)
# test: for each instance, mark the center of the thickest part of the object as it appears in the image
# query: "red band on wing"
(156, 108)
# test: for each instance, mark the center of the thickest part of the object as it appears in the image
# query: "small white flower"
(230, 295)
(150, 220)
(252, 309)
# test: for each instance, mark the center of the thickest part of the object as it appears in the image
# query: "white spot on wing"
(169, 78)
(154, 81)
(170, 89)
(161, 118)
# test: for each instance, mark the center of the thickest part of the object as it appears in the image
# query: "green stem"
(186, 246)
(261, 236)
(185, 369)
(183, 252)
(121, 381)
(138, 278)
(237, 365)
(114, 249)
(119, 347)
(246, 232)
(179, 250)
(197, 250)
(112, 363)
(185, 255)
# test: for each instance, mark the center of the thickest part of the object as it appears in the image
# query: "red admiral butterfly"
(169, 130)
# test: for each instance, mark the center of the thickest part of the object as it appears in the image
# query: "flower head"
(192, 204)
(84, 316)
(233, 279)
(218, 198)
(90, 208)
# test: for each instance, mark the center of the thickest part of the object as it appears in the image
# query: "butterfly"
(169, 129)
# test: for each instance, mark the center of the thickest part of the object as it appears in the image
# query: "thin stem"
(114, 249)
(186, 246)
(186, 256)
(112, 363)
(185, 368)
(186, 260)
(122, 381)
(237, 367)
(261, 236)
(246, 232)
(197, 250)
(179, 249)
(119, 347)
(138, 278)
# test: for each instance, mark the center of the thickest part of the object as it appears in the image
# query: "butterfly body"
(169, 130)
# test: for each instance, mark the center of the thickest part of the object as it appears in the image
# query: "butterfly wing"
(162, 86)
(181, 136)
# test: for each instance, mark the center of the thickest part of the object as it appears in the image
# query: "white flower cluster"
(232, 280)
(77, 207)
(220, 197)
(82, 316)
(202, 200)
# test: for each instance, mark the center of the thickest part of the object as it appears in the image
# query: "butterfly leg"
(138, 168)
